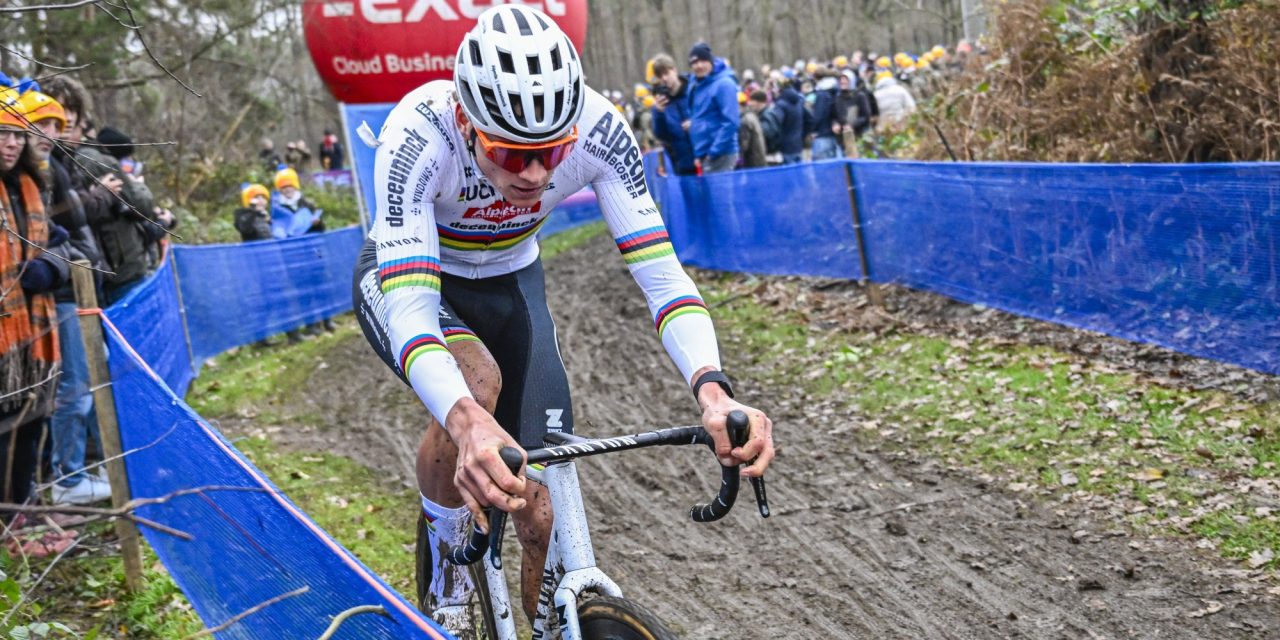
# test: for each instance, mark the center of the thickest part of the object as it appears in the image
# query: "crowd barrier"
(249, 544)
(1184, 256)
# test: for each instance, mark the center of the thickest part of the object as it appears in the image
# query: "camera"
(660, 89)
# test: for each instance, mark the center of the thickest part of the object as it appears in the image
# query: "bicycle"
(588, 605)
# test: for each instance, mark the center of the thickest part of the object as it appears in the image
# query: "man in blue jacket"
(713, 99)
(671, 114)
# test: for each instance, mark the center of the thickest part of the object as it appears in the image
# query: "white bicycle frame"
(570, 569)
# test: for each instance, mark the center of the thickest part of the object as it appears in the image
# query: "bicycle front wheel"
(609, 618)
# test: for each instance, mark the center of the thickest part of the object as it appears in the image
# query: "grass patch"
(84, 596)
(557, 244)
(254, 376)
(1166, 460)
(374, 519)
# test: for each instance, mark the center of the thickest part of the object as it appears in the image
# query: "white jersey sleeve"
(679, 314)
(410, 169)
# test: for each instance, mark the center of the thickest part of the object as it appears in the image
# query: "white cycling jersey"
(435, 212)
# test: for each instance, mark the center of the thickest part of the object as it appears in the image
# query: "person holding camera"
(672, 114)
(253, 219)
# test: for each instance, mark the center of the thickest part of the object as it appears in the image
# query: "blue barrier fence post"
(108, 424)
(873, 290)
(182, 311)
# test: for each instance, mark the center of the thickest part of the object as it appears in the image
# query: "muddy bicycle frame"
(570, 569)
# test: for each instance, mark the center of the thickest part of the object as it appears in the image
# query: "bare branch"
(101, 463)
(349, 613)
(50, 378)
(48, 7)
(44, 64)
(248, 612)
(146, 47)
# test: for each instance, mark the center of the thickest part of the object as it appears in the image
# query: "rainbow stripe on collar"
(415, 271)
(645, 245)
(487, 239)
(686, 305)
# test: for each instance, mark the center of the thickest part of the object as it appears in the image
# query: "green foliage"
(84, 598)
(252, 376)
(556, 244)
(1172, 461)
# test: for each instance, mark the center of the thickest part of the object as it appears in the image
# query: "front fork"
(571, 561)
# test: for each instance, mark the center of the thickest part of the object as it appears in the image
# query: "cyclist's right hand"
(481, 476)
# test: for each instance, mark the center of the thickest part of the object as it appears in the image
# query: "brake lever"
(497, 517)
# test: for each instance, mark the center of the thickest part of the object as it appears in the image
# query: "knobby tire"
(609, 618)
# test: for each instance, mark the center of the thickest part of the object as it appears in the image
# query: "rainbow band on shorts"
(418, 345)
(686, 305)
(459, 334)
(645, 245)
(416, 271)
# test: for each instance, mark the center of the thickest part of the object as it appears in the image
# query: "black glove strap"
(717, 377)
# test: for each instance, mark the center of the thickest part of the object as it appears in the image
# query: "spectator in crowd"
(333, 156)
(794, 120)
(714, 118)
(894, 100)
(252, 219)
(130, 232)
(671, 115)
(770, 118)
(855, 106)
(97, 196)
(29, 356)
(751, 135)
(291, 213)
(826, 122)
(73, 419)
(298, 156)
(267, 156)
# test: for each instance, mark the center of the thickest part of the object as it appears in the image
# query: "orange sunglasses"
(515, 156)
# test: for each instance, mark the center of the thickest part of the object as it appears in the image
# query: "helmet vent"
(507, 63)
(525, 29)
(534, 65)
(474, 49)
(559, 105)
(556, 63)
(497, 24)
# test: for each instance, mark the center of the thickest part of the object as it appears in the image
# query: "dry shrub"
(1180, 91)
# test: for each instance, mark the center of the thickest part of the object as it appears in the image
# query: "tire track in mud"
(973, 563)
(841, 557)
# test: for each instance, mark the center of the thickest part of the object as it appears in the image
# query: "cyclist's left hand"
(757, 453)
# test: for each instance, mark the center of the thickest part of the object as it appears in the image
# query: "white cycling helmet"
(519, 76)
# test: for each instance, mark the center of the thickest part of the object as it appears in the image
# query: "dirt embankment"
(859, 545)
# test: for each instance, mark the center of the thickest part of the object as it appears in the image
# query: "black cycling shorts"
(508, 314)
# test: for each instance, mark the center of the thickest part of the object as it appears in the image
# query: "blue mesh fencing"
(1185, 256)
(236, 294)
(150, 319)
(781, 221)
(248, 543)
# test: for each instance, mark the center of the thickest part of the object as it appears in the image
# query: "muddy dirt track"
(860, 545)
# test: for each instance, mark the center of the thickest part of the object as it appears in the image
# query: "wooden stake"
(104, 400)
(873, 290)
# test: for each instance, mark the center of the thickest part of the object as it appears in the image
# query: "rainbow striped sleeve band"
(416, 271)
(418, 345)
(645, 245)
(680, 306)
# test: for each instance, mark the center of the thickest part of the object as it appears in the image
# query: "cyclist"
(450, 291)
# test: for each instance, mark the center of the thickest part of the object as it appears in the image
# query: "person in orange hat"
(29, 354)
(253, 219)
